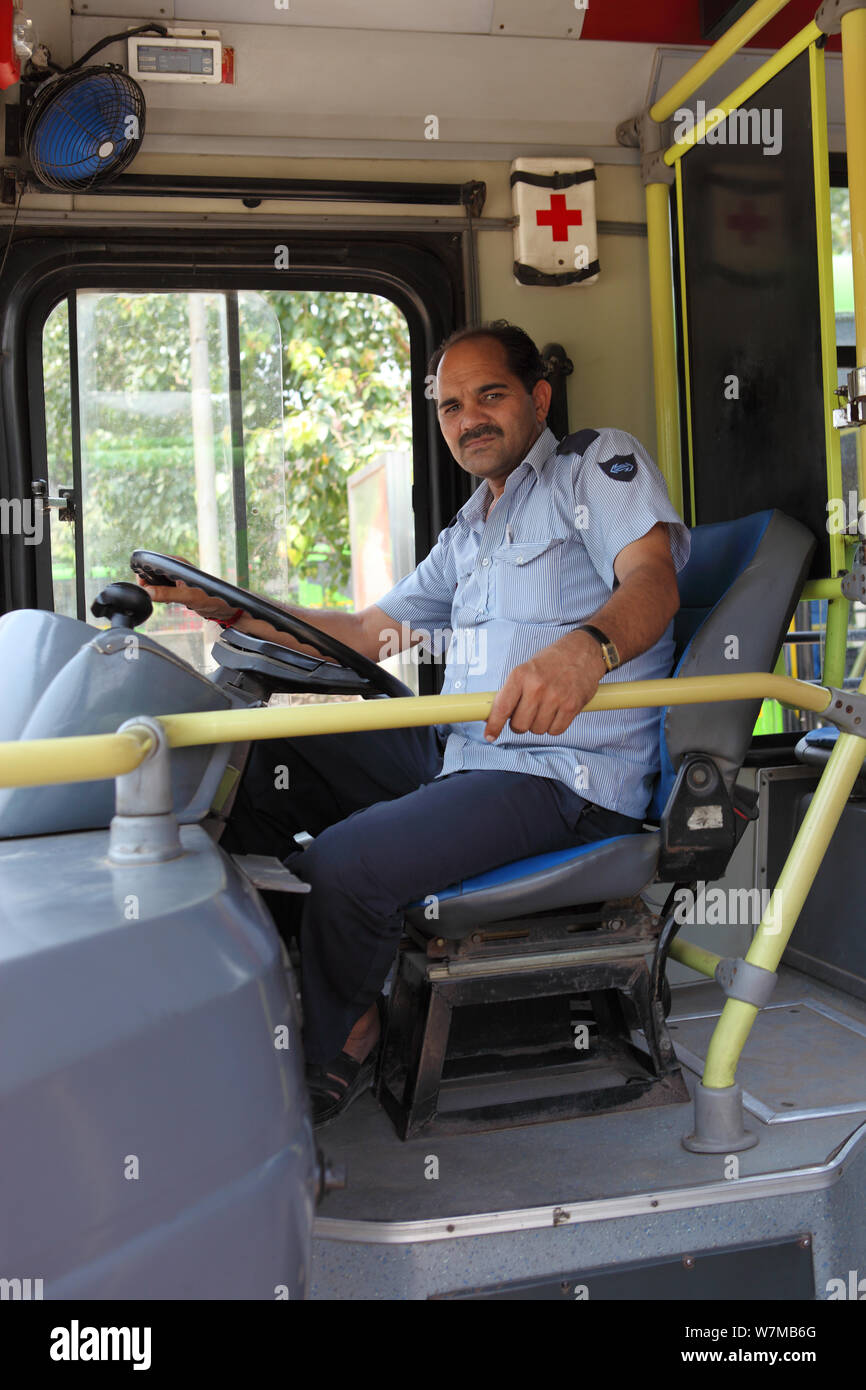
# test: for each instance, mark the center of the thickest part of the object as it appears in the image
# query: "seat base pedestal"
(483, 1044)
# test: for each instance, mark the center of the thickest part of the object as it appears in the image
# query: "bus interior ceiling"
(405, 91)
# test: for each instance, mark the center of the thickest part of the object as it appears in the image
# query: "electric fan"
(84, 127)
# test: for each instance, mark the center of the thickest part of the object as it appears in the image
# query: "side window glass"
(851, 441)
(843, 298)
(264, 436)
(803, 655)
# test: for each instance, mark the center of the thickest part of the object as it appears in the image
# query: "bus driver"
(564, 561)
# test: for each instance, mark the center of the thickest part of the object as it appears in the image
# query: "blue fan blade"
(83, 131)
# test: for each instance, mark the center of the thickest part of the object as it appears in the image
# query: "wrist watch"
(609, 653)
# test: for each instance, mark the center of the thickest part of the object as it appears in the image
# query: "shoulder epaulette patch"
(622, 467)
(577, 443)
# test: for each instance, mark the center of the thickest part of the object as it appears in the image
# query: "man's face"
(489, 420)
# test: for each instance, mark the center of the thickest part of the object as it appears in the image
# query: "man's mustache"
(486, 433)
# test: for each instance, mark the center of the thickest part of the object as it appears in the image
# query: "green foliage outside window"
(343, 359)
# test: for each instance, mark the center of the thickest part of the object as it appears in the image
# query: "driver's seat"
(570, 923)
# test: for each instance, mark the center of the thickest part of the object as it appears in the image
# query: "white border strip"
(763, 1185)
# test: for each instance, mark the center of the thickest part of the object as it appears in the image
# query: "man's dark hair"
(524, 360)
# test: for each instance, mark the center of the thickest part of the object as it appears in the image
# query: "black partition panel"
(753, 318)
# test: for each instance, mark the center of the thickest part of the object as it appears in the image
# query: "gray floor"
(806, 1055)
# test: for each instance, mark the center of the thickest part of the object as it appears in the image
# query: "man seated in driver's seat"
(558, 573)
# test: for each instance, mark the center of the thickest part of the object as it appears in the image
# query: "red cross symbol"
(559, 217)
(747, 221)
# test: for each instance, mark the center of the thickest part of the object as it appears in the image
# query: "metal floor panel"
(705, 997)
(591, 1158)
(801, 1061)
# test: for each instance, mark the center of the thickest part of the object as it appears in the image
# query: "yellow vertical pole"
(836, 631)
(836, 641)
(687, 383)
(789, 895)
(846, 761)
(667, 400)
(826, 306)
(854, 74)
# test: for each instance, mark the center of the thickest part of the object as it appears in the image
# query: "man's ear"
(542, 394)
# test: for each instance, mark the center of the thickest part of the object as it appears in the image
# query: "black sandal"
(344, 1075)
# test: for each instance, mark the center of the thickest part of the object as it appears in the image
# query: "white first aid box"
(555, 239)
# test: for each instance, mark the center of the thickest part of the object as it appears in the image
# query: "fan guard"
(84, 128)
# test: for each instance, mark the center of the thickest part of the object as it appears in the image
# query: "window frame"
(422, 272)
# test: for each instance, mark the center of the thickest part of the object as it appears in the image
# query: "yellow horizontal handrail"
(695, 957)
(42, 762)
(226, 726)
(91, 757)
(746, 27)
(821, 588)
(752, 84)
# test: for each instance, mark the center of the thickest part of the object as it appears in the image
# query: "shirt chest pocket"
(528, 580)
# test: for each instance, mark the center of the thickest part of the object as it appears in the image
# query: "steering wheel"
(159, 570)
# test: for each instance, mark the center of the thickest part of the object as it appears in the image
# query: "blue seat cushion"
(615, 868)
(815, 747)
(823, 739)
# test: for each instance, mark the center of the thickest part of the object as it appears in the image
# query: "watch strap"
(604, 642)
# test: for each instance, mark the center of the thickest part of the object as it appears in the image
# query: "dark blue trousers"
(387, 832)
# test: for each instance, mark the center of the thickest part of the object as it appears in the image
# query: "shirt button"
(520, 559)
(458, 685)
(485, 563)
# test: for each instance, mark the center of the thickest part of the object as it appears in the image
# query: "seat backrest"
(738, 593)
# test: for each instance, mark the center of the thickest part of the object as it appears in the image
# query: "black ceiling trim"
(251, 192)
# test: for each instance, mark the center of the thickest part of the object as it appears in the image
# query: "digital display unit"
(175, 59)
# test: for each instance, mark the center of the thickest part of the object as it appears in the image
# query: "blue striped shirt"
(506, 585)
